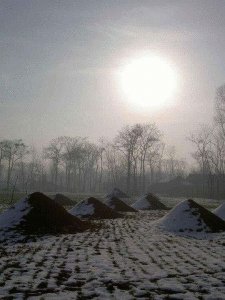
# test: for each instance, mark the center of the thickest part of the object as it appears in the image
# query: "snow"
(126, 258)
(141, 203)
(83, 208)
(116, 192)
(14, 215)
(110, 203)
(183, 218)
(220, 211)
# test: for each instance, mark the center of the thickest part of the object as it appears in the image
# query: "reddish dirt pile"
(47, 216)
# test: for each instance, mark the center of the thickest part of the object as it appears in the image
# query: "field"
(125, 259)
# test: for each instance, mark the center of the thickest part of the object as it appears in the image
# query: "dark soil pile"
(63, 200)
(189, 216)
(215, 223)
(117, 193)
(149, 202)
(220, 211)
(38, 214)
(92, 208)
(118, 205)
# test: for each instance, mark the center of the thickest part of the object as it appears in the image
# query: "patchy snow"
(220, 211)
(116, 192)
(148, 201)
(32, 215)
(15, 214)
(141, 203)
(92, 208)
(110, 203)
(126, 259)
(184, 218)
(83, 208)
(119, 205)
(181, 217)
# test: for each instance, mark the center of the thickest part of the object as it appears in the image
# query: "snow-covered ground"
(126, 259)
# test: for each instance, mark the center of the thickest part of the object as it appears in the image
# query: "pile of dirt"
(38, 214)
(190, 217)
(220, 211)
(116, 192)
(92, 208)
(63, 200)
(149, 202)
(119, 205)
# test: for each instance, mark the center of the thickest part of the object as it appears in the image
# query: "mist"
(112, 149)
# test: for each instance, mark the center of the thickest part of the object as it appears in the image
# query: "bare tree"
(2, 155)
(149, 141)
(137, 143)
(154, 161)
(127, 142)
(13, 150)
(54, 153)
(202, 142)
(220, 110)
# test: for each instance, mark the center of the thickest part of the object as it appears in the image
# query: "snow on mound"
(36, 214)
(149, 202)
(190, 217)
(117, 193)
(63, 200)
(92, 208)
(15, 214)
(220, 211)
(118, 205)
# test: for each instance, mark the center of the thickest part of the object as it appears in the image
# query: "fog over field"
(112, 149)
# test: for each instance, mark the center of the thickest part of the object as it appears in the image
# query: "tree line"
(209, 151)
(135, 159)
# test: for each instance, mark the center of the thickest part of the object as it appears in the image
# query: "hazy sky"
(58, 61)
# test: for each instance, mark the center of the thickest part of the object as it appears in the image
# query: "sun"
(148, 81)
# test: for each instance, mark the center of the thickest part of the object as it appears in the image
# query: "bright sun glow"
(148, 81)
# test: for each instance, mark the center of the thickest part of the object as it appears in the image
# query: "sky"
(59, 59)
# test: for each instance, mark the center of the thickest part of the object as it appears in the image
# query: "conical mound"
(63, 200)
(38, 214)
(190, 217)
(117, 193)
(149, 202)
(92, 208)
(220, 211)
(119, 205)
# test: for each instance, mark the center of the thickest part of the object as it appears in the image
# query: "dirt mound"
(92, 208)
(188, 216)
(118, 205)
(149, 202)
(117, 193)
(63, 200)
(38, 214)
(220, 211)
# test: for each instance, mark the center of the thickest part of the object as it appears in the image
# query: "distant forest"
(136, 160)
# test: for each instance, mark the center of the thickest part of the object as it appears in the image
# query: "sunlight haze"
(58, 60)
